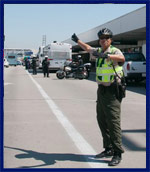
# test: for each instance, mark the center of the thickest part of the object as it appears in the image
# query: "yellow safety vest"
(104, 70)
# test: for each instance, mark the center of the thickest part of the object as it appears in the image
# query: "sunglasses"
(104, 37)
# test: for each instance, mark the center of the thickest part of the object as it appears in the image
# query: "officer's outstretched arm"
(83, 45)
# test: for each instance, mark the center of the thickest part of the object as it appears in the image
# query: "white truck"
(134, 66)
(57, 54)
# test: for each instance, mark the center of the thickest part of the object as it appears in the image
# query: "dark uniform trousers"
(108, 117)
(34, 70)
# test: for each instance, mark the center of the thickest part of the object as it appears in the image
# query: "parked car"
(6, 63)
(134, 67)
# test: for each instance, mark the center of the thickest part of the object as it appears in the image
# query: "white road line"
(7, 83)
(84, 147)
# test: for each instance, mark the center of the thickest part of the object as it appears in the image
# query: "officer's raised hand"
(100, 55)
(75, 38)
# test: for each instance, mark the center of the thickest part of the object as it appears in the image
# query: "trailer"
(57, 54)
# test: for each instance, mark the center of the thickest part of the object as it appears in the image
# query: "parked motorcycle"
(72, 71)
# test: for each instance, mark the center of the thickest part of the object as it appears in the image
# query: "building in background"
(129, 33)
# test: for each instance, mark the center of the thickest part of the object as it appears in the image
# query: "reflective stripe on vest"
(104, 70)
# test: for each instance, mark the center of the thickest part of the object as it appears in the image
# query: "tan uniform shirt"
(114, 62)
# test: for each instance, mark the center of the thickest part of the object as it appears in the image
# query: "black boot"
(116, 159)
(107, 153)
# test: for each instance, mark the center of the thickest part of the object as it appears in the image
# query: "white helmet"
(33, 55)
(46, 56)
(79, 56)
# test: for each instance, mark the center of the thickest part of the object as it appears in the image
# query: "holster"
(121, 87)
(120, 90)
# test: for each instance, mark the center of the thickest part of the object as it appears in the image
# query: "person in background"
(34, 65)
(45, 66)
(77, 61)
(27, 63)
(80, 60)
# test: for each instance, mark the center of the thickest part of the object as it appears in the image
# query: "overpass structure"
(129, 32)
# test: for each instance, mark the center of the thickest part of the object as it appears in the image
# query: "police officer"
(108, 103)
(27, 63)
(45, 65)
(77, 61)
(34, 65)
(80, 61)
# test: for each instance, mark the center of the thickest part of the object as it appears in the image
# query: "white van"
(12, 59)
(57, 54)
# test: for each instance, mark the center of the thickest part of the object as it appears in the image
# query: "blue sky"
(25, 24)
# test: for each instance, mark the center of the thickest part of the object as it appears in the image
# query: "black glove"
(100, 55)
(120, 63)
(75, 38)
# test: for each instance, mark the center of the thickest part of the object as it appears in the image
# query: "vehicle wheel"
(80, 77)
(85, 74)
(60, 75)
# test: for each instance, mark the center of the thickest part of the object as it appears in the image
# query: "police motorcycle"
(72, 70)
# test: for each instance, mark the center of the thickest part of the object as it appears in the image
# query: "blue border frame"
(1, 79)
(148, 85)
(147, 2)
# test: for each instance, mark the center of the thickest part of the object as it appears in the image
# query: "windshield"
(11, 57)
(134, 57)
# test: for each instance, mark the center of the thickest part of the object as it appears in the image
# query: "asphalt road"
(51, 123)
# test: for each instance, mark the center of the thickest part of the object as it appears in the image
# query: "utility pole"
(44, 40)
